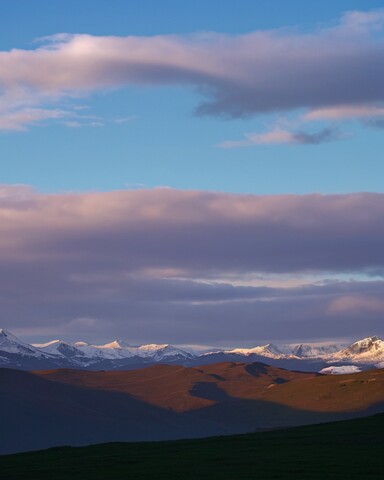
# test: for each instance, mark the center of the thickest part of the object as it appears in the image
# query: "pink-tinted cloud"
(140, 264)
(21, 118)
(343, 112)
(242, 75)
(192, 230)
(356, 304)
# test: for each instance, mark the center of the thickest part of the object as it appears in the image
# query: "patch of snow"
(341, 370)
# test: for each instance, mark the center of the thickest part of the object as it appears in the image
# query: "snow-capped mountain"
(58, 347)
(17, 354)
(302, 350)
(10, 344)
(324, 357)
(310, 350)
(114, 354)
(367, 350)
(269, 351)
(119, 354)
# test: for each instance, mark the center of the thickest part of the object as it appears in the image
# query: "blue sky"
(129, 132)
(163, 142)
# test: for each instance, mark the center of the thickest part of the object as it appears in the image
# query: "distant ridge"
(121, 355)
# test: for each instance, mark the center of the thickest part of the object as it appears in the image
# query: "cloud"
(167, 265)
(197, 231)
(356, 305)
(237, 75)
(20, 119)
(279, 136)
(344, 112)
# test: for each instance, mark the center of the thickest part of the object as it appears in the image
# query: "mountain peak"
(119, 344)
(366, 344)
(4, 333)
(11, 344)
(367, 349)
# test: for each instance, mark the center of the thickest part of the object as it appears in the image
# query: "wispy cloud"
(22, 118)
(279, 136)
(342, 112)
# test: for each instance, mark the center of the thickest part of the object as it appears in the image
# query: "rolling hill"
(161, 402)
(341, 450)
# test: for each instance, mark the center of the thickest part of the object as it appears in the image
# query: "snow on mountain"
(307, 350)
(302, 350)
(121, 349)
(58, 347)
(269, 350)
(160, 352)
(117, 349)
(118, 354)
(11, 344)
(367, 350)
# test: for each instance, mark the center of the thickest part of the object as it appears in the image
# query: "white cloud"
(264, 71)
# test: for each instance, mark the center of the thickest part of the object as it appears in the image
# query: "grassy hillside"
(342, 450)
(184, 389)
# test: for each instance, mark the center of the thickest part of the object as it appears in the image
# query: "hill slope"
(184, 389)
(342, 450)
(75, 407)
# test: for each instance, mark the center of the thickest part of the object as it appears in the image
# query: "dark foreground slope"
(350, 450)
(36, 413)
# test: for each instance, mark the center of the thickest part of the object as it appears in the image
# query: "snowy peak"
(121, 354)
(369, 344)
(117, 344)
(6, 337)
(269, 350)
(302, 350)
(370, 349)
(163, 351)
(56, 347)
(11, 344)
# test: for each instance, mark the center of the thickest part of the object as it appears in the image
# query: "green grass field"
(347, 450)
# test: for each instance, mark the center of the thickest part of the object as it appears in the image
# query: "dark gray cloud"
(323, 136)
(167, 265)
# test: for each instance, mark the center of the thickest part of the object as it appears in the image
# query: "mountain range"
(120, 355)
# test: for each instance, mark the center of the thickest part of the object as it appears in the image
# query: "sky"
(192, 172)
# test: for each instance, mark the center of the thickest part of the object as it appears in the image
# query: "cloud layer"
(169, 265)
(333, 69)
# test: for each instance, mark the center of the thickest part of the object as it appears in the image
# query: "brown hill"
(72, 407)
(184, 389)
(332, 393)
